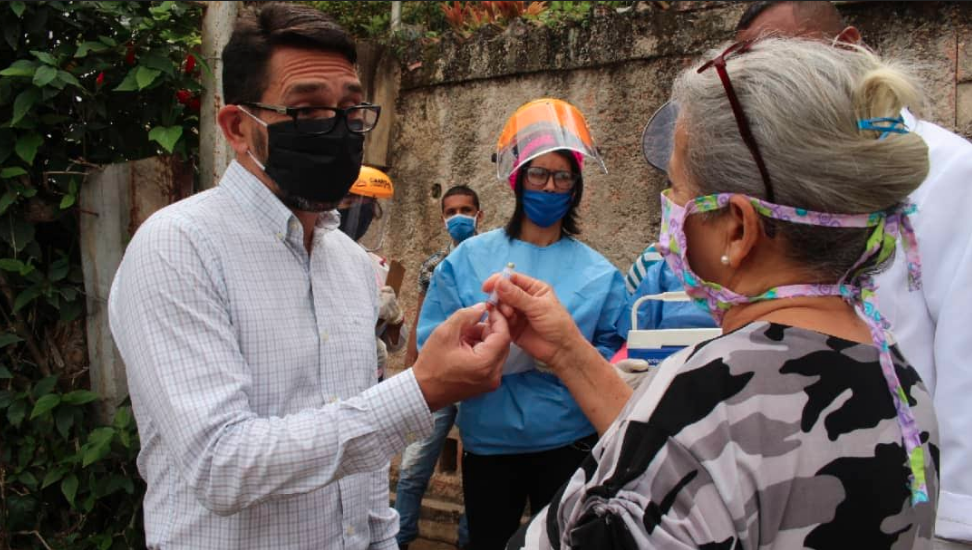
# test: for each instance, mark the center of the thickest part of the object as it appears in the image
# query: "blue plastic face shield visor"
(659, 136)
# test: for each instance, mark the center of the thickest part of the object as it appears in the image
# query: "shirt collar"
(272, 214)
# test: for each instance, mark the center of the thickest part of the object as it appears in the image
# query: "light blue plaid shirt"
(251, 366)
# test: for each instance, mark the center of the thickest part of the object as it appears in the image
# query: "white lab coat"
(933, 326)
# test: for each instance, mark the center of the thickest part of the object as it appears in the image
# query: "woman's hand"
(462, 357)
(538, 322)
(540, 325)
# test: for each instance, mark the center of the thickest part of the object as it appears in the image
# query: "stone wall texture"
(454, 97)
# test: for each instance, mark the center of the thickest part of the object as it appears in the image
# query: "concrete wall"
(455, 97)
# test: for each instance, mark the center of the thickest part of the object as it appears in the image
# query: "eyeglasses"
(742, 122)
(359, 119)
(537, 177)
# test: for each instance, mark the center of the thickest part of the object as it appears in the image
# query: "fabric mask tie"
(856, 287)
(461, 227)
(546, 209)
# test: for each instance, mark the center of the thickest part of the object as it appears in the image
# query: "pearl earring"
(724, 259)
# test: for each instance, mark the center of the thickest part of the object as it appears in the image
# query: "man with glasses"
(930, 325)
(246, 320)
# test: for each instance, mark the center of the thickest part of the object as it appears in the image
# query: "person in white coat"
(932, 326)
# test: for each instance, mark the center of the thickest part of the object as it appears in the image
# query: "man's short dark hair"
(461, 190)
(260, 29)
(819, 15)
(754, 10)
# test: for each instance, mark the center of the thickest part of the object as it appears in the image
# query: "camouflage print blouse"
(770, 437)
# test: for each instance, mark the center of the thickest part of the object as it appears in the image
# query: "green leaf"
(12, 172)
(67, 201)
(166, 136)
(26, 146)
(21, 67)
(68, 78)
(98, 446)
(53, 477)
(25, 100)
(45, 386)
(157, 60)
(146, 76)
(107, 40)
(44, 75)
(25, 298)
(45, 404)
(129, 83)
(123, 418)
(70, 311)
(69, 487)
(11, 32)
(7, 199)
(79, 397)
(44, 57)
(17, 412)
(18, 8)
(28, 479)
(59, 269)
(6, 396)
(64, 419)
(12, 265)
(16, 231)
(89, 46)
(7, 338)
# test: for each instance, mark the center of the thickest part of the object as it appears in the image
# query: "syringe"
(493, 299)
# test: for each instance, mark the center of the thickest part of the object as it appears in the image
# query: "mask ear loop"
(254, 117)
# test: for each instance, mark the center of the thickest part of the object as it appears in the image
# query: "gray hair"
(803, 100)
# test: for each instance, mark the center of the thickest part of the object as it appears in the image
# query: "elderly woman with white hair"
(803, 425)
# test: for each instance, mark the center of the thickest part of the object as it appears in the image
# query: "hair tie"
(885, 125)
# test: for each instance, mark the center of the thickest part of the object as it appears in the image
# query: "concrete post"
(116, 200)
(214, 153)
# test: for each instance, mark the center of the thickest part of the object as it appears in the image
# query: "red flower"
(195, 104)
(190, 63)
(130, 56)
(183, 96)
(101, 79)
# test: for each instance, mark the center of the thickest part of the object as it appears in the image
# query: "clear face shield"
(365, 219)
(659, 135)
(539, 127)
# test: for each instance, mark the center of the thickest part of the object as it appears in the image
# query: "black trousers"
(496, 488)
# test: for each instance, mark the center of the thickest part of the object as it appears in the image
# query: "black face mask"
(356, 219)
(311, 165)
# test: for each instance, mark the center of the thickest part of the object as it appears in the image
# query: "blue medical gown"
(531, 411)
(660, 315)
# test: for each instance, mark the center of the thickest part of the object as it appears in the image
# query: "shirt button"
(324, 337)
(280, 236)
(334, 399)
(410, 437)
(350, 531)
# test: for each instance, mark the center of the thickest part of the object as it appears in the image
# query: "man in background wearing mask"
(461, 216)
(246, 320)
(931, 326)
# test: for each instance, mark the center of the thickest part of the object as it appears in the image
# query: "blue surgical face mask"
(546, 209)
(461, 227)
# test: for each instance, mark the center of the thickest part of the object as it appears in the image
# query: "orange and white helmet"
(373, 183)
(366, 209)
(539, 127)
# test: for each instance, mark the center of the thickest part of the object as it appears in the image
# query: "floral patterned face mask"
(856, 287)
